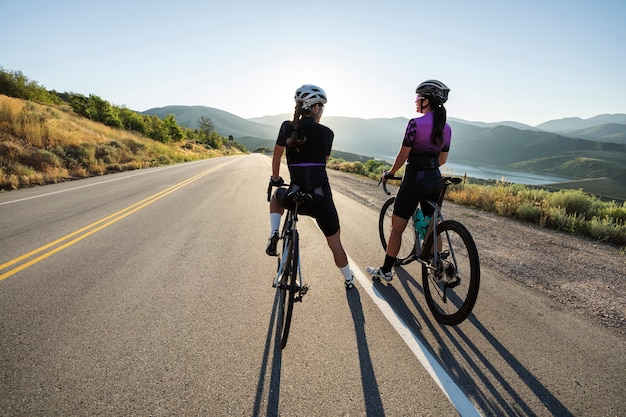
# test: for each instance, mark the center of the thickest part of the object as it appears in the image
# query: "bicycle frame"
(289, 230)
(437, 218)
(290, 226)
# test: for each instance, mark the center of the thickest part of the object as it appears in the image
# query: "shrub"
(606, 229)
(42, 159)
(530, 212)
(573, 201)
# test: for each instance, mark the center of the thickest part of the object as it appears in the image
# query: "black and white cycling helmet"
(309, 95)
(433, 89)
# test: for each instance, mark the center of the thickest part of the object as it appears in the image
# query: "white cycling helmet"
(309, 95)
(433, 89)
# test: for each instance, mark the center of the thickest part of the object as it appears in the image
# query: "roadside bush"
(42, 159)
(605, 229)
(9, 152)
(134, 146)
(573, 201)
(529, 212)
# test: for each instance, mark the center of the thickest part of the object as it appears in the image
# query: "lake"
(492, 173)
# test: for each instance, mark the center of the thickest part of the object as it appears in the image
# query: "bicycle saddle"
(299, 196)
(452, 180)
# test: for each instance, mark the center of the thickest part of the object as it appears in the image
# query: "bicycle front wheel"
(384, 229)
(451, 283)
(288, 288)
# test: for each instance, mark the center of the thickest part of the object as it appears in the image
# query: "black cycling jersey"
(307, 169)
(307, 161)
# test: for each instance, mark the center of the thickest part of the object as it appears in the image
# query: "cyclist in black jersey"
(307, 145)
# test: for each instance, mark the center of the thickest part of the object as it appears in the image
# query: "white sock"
(347, 272)
(274, 222)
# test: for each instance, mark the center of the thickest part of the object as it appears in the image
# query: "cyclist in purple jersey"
(424, 149)
(307, 145)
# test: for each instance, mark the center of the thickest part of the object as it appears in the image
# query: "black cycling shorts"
(321, 208)
(417, 186)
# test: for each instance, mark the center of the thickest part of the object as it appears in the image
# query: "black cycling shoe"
(271, 245)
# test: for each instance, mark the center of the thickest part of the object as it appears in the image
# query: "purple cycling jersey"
(417, 136)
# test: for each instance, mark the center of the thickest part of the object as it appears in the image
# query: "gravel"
(576, 273)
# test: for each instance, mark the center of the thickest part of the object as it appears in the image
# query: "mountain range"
(591, 149)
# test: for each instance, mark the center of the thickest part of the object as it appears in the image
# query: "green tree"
(174, 131)
(207, 134)
(206, 125)
(15, 84)
(156, 129)
(132, 120)
(101, 111)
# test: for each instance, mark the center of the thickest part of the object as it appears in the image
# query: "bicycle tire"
(407, 246)
(288, 291)
(451, 289)
(283, 283)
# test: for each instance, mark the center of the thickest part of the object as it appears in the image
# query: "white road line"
(118, 178)
(85, 186)
(460, 401)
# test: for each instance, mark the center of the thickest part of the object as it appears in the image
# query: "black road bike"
(288, 280)
(447, 252)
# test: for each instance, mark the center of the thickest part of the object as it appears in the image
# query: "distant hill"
(592, 151)
(225, 123)
(515, 125)
(611, 132)
(570, 124)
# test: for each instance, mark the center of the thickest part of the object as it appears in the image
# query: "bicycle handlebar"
(269, 191)
(270, 186)
(386, 177)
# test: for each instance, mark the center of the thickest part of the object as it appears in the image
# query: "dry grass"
(42, 144)
(572, 211)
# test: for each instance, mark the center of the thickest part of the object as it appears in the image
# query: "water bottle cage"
(424, 229)
(421, 223)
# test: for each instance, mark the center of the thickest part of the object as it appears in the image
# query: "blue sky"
(528, 61)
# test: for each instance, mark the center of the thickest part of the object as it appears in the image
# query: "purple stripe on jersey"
(307, 164)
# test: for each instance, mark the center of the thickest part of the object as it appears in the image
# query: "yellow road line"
(91, 228)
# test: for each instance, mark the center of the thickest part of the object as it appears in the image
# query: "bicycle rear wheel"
(288, 287)
(451, 286)
(384, 229)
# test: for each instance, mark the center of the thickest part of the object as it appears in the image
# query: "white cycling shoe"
(377, 274)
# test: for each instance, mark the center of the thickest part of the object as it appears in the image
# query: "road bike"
(450, 274)
(288, 279)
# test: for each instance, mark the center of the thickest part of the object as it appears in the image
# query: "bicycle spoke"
(451, 283)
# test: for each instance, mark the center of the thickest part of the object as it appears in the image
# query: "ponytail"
(294, 140)
(439, 123)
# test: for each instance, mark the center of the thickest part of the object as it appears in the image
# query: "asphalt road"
(148, 293)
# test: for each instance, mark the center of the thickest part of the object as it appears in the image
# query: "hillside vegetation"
(47, 137)
(42, 144)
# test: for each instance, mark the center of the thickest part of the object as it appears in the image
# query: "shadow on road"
(373, 401)
(502, 398)
(272, 357)
(273, 396)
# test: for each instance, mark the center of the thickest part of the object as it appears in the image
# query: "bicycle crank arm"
(301, 292)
